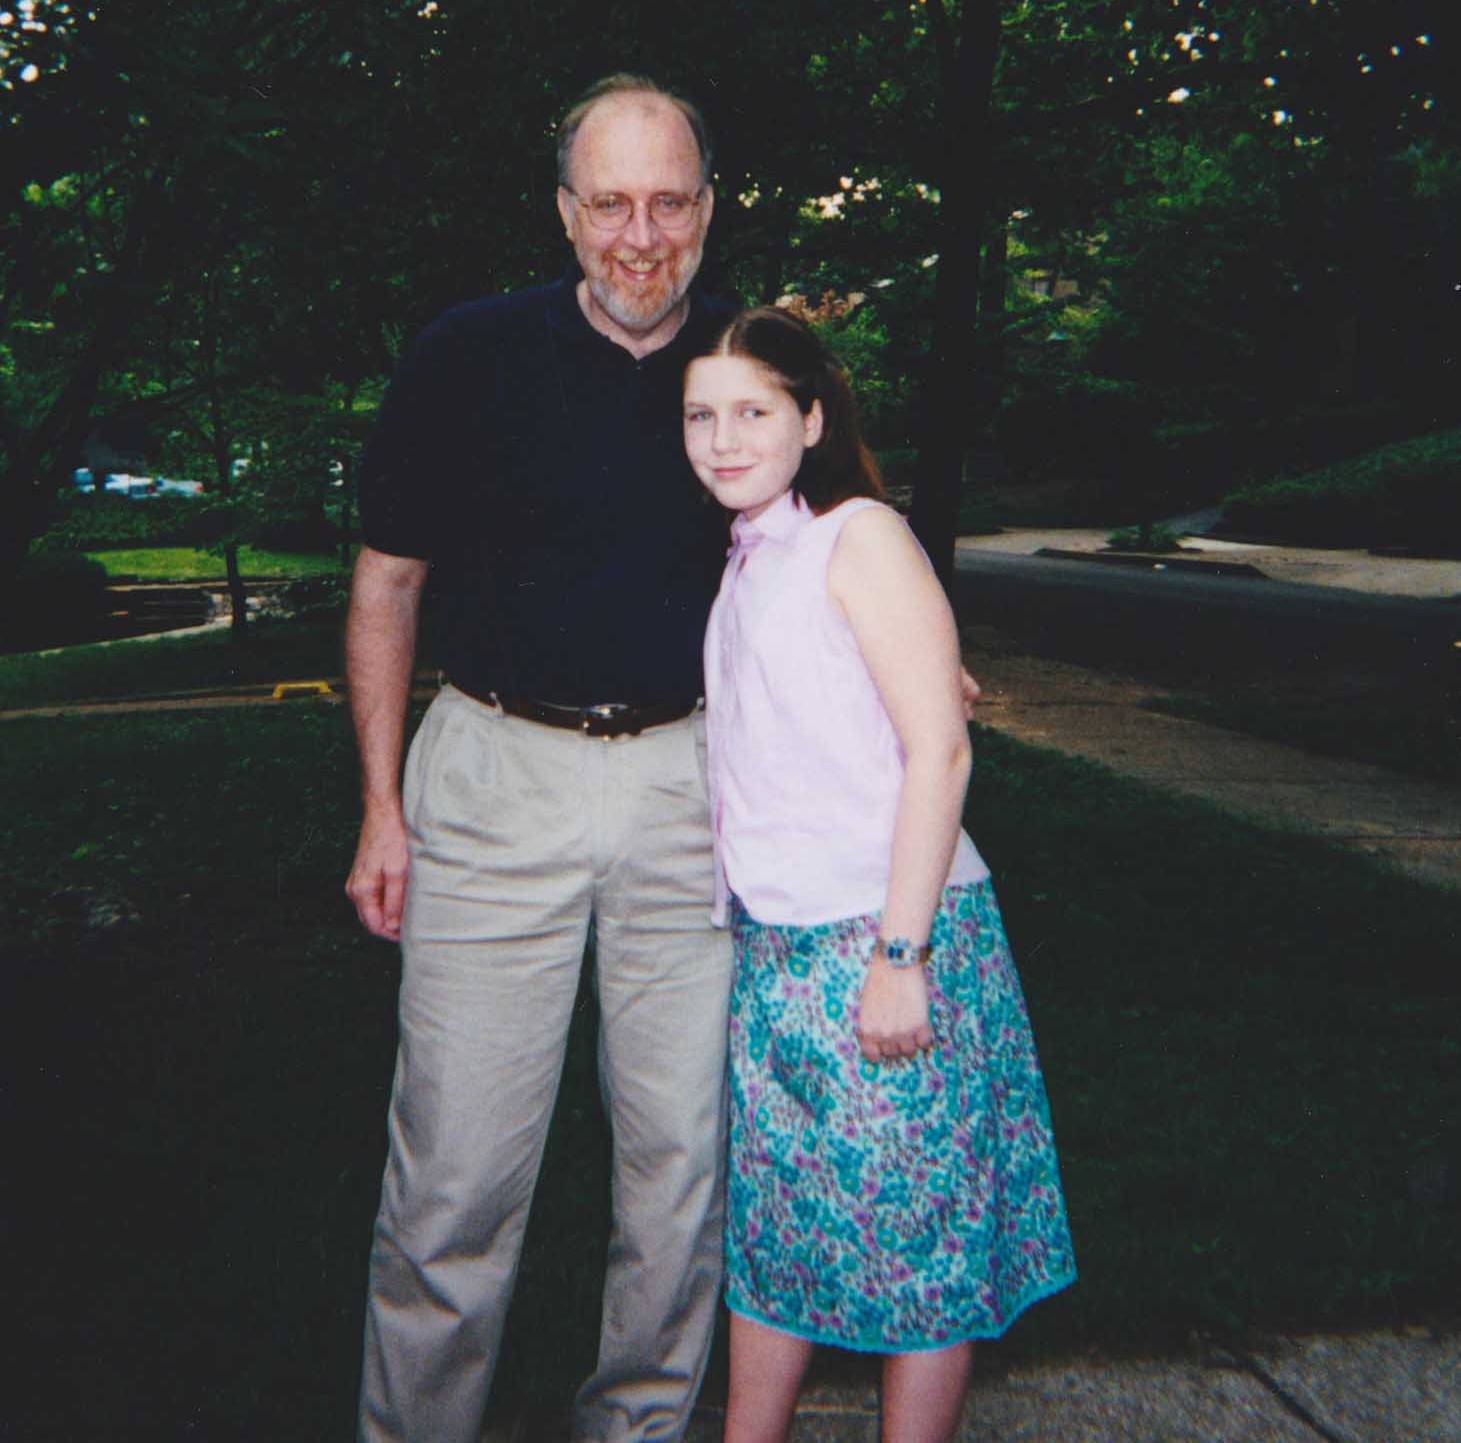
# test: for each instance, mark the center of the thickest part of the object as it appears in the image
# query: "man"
(529, 455)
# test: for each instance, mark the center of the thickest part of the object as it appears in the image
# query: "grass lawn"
(274, 651)
(1400, 494)
(1250, 1042)
(1408, 719)
(185, 563)
(1418, 732)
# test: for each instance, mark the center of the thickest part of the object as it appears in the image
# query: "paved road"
(1200, 623)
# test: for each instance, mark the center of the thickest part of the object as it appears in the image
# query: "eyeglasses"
(669, 210)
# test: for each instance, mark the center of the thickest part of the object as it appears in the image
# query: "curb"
(330, 689)
(1152, 562)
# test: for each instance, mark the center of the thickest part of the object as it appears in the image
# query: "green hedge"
(1405, 494)
(106, 523)
(55, 597)
(103, 523)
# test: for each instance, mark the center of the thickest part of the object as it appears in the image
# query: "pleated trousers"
(522, 837)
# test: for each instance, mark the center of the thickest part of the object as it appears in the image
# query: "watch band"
(902, 951)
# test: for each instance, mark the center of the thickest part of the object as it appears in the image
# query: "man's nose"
(641, 232)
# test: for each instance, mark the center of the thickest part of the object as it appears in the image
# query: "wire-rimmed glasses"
(668, 209)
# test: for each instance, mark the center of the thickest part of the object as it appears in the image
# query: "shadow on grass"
(1249, 1041)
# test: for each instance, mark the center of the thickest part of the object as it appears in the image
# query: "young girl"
(893, 1183)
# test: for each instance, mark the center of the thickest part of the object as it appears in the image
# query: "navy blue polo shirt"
(540, 468)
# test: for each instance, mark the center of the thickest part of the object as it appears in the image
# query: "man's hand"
(380, 644)
(377, 883)
(892, 1014)
(969, 688)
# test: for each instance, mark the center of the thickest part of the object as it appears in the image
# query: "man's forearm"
(380, 652)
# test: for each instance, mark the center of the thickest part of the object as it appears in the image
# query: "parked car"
(119, 483)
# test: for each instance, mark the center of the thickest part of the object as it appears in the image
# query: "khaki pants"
(522, 834)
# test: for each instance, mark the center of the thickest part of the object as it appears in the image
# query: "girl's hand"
(892, 1013)
(970, 691)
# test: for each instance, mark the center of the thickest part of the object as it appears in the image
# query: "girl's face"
(743, 432)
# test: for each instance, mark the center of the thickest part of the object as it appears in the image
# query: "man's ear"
(565, 212)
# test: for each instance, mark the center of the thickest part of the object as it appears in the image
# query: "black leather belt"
(606, 719)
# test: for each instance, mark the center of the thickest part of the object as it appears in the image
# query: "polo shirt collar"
(566, 315)
(780, 521)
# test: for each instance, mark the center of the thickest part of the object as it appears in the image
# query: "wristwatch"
(902, 952)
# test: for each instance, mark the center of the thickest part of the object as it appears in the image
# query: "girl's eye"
(696, 415)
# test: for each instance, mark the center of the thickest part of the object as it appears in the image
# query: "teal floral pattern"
(893, 1207)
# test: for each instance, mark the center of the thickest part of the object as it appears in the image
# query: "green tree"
(289, 190)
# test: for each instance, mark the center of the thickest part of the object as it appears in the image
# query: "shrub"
(1321, 436)
(1204, 458)
(105, 523)
(899, 465)
(1144, 538)
(980, 514)
(1134, 449)
(109, 523)
(1073, 426)
(309, 532)
(1090, 431)
(1406, 494)
(315, 596)
(55, 597)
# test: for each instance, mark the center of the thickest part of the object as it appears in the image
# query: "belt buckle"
(603, 720)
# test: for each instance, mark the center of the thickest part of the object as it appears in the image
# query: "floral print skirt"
(889, 1207)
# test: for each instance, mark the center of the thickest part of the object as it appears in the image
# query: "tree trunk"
(966, 80)
(989, 380)
(223, 464)
(238, 602)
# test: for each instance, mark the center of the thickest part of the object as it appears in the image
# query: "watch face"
(900, 952)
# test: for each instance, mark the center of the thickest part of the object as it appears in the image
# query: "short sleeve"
(414, 450)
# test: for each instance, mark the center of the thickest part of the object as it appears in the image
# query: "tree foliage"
(218, 220)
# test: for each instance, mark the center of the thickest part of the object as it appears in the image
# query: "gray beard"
(638, 320)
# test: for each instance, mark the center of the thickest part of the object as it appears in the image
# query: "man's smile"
(639, 266)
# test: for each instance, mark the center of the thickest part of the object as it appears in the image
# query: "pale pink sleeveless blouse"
(805, 767)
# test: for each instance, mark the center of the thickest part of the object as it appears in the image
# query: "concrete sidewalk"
(1415, 824)
(1400, 1387)
(1351, 570)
